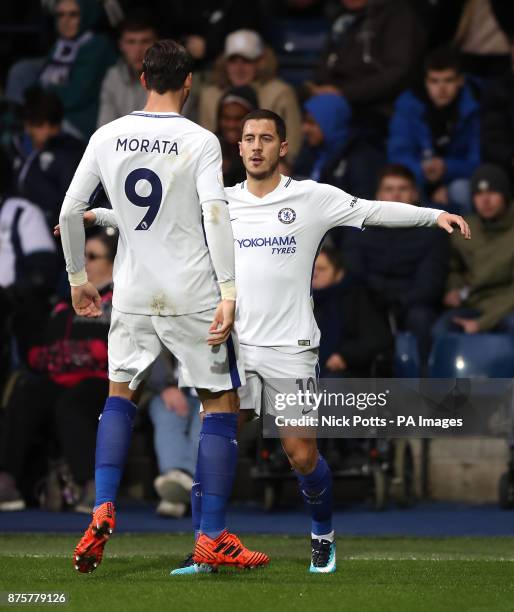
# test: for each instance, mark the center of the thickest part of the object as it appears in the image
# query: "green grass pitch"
(411, 574)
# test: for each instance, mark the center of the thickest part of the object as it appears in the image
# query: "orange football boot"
(226, 549)
(89, 551)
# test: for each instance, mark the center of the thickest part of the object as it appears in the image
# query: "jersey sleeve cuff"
(228, 290)
(77, 278)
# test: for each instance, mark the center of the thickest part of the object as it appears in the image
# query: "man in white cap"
(246, 61)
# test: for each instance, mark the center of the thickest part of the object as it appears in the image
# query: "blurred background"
(404, 100)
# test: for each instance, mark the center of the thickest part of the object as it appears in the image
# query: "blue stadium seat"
(472, 356)
(406, 356)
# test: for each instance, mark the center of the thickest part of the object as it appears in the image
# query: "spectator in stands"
(246, 61)
(436, 133)
(57, 403)
(77, 63)
(332, 152)
(325, 127)
(405, 269)
(353, 332)
(498, 121)
(122, 91)
(44, 174)
(480, 286)
(233, 107)
(204, 24)
(481, 37)
(176, 420)
(372, 51)
(28, 264)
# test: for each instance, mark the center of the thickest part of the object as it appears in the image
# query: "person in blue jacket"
(333, 151)
(436, 133)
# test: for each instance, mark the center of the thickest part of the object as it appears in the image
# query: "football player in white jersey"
(278, 225)
(162, 174)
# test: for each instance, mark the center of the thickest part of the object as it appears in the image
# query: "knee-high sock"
(217, 460)
(196, 503)
(112, 443)
(316, 490)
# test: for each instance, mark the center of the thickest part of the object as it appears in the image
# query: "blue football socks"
(112, 443)
(316, 490)
(196, 504)
(217, 461)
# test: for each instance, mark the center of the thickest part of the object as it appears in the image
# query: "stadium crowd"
(403, 100)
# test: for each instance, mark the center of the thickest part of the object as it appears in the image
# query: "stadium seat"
(406, 356)
(472, 356)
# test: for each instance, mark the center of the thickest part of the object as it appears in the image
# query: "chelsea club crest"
(286, 215)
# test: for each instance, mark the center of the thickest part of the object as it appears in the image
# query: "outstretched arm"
(104, 217)
(396, 214)
(101, 216)
(338, 208)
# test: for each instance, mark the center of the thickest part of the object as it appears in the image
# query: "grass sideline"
(382, 574)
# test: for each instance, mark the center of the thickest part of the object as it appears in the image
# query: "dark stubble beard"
(262, 176)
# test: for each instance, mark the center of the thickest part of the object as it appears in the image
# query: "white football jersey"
(157, 170)
(276, 239)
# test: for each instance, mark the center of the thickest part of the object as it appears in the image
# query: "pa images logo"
(286, 215)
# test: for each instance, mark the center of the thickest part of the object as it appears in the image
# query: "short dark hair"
(443, 58)
(108, 237)
(262, 113)
(396, 170)
(42, 107)
(136, 22)
(333, 255)
(166, 66)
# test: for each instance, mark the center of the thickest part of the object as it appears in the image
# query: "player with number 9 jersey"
(162, 175)
(157, 170)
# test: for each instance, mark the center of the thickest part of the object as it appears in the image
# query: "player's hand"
(223, 322)
(452, 299)
(447, 221)
(89, 221)
(175, 401)
(86, 301)
(470, 326)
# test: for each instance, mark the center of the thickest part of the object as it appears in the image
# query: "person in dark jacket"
(333, 152)
(353, 332)
(436, 133)
(28, 268)
(373, 50)
(44, 174)
(233, 107)
(404, 270)
(480, 285)
(53, 408)
(77, 63)
(202, 25)
(498, 121)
